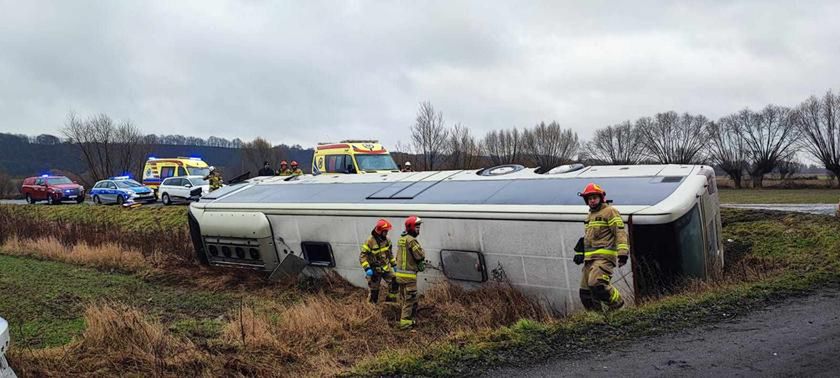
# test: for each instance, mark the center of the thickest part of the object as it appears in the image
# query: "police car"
(120, 190)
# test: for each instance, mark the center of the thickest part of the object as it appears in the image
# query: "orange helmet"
(382, 225)
(591, 189)
(294, 163)
(283, 162)
(412, 222)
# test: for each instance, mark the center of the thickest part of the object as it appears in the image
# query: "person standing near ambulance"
(605, 246)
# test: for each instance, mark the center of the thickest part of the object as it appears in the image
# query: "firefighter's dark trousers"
(408, 300)
(374, 285)
(595, 287)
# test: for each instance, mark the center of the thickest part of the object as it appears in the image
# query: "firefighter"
(411, 259)
(379, 263)
(407, 167)
(266, 170)
(284, 169)
(604, 245)
(295, 170)
(215, 178)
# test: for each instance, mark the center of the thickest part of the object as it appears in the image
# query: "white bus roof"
(667, 191)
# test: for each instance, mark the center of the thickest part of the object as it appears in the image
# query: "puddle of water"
(809, 208)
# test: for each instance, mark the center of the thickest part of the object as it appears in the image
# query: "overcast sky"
(303, 72)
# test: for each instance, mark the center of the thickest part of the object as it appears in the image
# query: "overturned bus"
(503, 223)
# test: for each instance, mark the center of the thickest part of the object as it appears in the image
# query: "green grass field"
(44, 301)
(779, 196)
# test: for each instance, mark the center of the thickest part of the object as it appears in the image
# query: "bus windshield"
(378, 162)
(196, 171)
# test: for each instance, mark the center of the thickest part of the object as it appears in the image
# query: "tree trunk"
(736, 179)
(758, 181)
(836, 175)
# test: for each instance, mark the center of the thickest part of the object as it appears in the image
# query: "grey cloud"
(313, 71)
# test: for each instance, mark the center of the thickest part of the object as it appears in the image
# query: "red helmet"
(412, 222)
(283, 162)
(382, 225)
(294, 163)
(592, 189)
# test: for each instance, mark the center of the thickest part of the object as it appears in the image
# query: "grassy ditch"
(80, 321)
(194, 321)
(801, 251)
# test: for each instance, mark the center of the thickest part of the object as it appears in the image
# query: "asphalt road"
(798, 338)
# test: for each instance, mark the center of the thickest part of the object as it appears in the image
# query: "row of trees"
(438, 146)
(111, 147)
(173, 140)
(108, 147)
(753, 143)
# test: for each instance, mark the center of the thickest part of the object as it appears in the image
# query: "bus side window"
(167, 172)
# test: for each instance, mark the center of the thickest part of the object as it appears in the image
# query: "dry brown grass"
(323, 335)
(108, 256)
(118, 341)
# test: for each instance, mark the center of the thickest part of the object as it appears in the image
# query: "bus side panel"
(535, 256)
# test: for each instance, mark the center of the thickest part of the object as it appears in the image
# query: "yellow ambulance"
(352, 156)
(157, 169)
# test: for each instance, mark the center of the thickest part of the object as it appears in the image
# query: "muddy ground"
(800, 337)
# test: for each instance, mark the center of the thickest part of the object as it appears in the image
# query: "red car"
(53, 189)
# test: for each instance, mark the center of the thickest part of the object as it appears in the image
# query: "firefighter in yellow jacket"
(215, 179)
(605, 245)
(410, 260)
(378, 262)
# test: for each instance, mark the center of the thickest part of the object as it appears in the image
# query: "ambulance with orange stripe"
(352, 156)
(157, 169)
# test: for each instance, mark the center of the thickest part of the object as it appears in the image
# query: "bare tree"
(504, 146)
(464, 151)
(818, 121)
(402, 154)
(130, 149)
(671, 138)
(769, 136)
(428, 135)
(107, 148)
(617, 145)
(727, 148)
(548, 146)
(257, 151)
(788, 168)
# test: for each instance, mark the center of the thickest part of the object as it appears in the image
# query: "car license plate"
(71, 197)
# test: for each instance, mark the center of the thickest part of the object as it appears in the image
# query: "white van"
(182, 189)
(506, 221)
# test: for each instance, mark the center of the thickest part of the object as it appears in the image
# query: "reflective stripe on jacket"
(376, 254)
(605, 234)
(409, 254)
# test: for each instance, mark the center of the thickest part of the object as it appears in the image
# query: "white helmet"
(408, 164)
(212, 168)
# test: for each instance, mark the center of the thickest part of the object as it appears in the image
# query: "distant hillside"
(19, 157)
